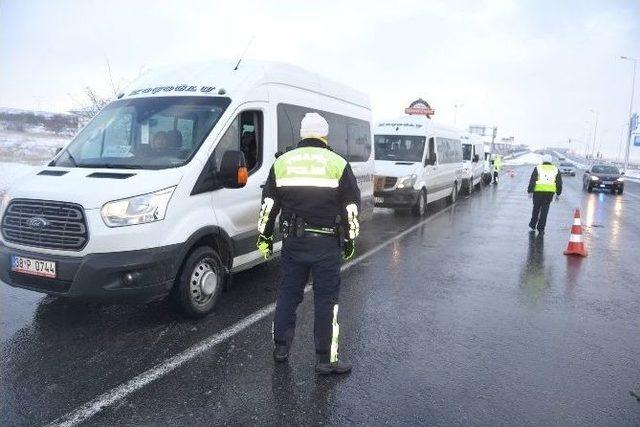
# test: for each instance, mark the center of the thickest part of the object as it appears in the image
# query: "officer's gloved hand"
(265, 246)
(348, 250)
(557, 197)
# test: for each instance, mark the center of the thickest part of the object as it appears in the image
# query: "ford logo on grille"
(37, 223)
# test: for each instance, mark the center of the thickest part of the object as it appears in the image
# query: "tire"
(589, 189)
(420, 208)
(200, 284)
(454, 194)
(621, 190)
(469, 188)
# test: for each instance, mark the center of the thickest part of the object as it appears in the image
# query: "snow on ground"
(28, 147)
(525, 159)
(10, 172)
(573, 162)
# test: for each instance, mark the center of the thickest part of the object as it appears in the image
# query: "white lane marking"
(120, 392)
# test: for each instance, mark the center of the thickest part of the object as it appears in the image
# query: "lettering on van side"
(178, 88)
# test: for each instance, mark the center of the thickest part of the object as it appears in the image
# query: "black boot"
(281, 353)
(324, 367)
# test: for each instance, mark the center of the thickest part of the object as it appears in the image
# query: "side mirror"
(476, 158)
(622, 173)
(233, 170)
(279, 153)
(433, 159)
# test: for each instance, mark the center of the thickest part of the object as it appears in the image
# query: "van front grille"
(45, 224)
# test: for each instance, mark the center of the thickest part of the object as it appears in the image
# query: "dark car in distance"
(603, 177)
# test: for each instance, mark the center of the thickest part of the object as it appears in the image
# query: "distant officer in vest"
(545, 181)
(318, 197)
(497, 167)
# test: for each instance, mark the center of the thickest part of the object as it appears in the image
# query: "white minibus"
(473, 162)
(417, 162)
(160, 193)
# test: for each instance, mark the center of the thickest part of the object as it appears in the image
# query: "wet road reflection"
(533, 278)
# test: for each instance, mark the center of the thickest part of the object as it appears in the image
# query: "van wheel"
(420, 208)
(469, 188)
(454, 193)
(200, 284)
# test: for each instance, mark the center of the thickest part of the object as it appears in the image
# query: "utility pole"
(595, 131)
(633, 87)
(455, 113)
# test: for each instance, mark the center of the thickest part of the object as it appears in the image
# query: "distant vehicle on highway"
(416, 162)
(603, 177)
(472, 157)
(566, 168)
(160, 193)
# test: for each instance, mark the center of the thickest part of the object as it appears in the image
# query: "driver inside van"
(159, 143)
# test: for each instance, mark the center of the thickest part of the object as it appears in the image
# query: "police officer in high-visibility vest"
(545, 181)
(497, 167)
(317, 195)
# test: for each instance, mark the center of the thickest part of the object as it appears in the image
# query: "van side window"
(244, 134)
(431, 155)
(349, 137)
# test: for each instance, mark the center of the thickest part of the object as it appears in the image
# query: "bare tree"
(93, 101)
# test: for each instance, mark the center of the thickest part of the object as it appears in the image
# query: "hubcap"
(204, 282)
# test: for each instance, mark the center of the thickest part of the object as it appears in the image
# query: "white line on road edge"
(120, 392)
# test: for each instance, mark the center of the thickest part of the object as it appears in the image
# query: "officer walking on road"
(497, 167)
(317, 194)
(545, 181)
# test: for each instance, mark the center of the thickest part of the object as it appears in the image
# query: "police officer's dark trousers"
(320, 256)
(541, 202)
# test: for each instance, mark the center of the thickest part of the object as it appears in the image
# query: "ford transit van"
(160, 193)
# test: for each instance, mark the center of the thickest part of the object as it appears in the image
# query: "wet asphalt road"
(468, 319)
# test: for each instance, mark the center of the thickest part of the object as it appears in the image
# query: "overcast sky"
(533, 68)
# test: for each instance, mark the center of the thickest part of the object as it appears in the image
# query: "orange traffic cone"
(576, 245)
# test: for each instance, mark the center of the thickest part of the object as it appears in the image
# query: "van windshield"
(466, 151)
(145, 133)
(399, 148)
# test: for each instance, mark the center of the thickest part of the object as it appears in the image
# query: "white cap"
(313, 125)
(547, 158)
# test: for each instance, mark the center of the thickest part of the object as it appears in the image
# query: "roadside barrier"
(576, 244)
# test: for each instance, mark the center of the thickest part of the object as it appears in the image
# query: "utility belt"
(296, 226)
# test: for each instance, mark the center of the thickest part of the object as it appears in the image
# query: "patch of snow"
(525, 159)
(24, 147)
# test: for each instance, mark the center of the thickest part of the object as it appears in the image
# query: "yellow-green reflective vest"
(497, 164)
(309, 167)
(546, 181)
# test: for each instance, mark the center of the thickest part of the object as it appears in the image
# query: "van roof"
(414, 124)
(219, 78)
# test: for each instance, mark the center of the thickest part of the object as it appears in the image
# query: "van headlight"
(594, 178)
(137, 210)
(621, 179)
(407, 181)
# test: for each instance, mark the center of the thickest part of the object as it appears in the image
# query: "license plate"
(378, 199)
(608, 183)
(34, 267)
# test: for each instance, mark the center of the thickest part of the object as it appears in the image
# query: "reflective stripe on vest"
(546, 179)
(309, 167)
